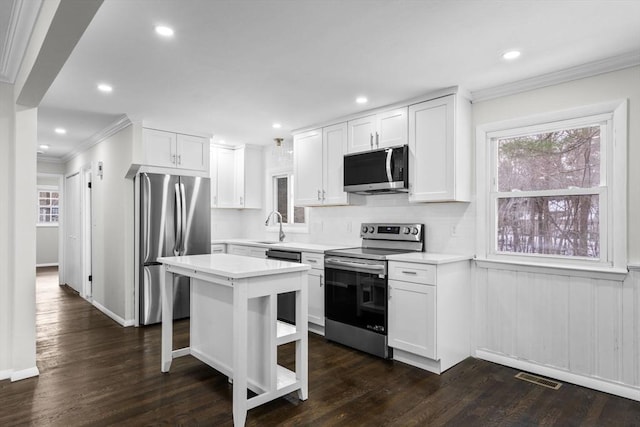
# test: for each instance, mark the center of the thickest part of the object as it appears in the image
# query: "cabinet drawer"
(313, 259)
(412, 272)
(218, 248)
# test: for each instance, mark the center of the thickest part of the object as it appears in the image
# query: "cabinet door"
(361, 133)
(159, 148)
(334, 147)
(316, 296)
(412, 318)
(307, 168)
(213, 174)
(191, 152)
(226, 178)
(239, 177)
(392, 128)
(431, 150)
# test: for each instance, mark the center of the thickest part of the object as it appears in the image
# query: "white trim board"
(622, 390)
(589, 69)
(113, 316)
(24, 374)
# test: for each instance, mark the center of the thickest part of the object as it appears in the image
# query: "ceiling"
(234, 67)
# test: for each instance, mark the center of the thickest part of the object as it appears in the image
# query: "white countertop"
(429, 258)
(296, 246)
(233, 266)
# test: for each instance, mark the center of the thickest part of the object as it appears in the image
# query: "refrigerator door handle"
(178, 221)
(183, 218)
(147, 216)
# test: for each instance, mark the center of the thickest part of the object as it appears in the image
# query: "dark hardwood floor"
(94, 372)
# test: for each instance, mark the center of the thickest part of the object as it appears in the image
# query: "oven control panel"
(397, 231)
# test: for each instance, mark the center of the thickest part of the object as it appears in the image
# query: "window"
(551, 187)
(48, 205)
(283, 201)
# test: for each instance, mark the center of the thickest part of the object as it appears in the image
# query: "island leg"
(240, 358)
(302, 357)
(166, 288)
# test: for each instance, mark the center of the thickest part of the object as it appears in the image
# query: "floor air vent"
(538, 380)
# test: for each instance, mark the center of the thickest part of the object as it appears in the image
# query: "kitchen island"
(234, 326)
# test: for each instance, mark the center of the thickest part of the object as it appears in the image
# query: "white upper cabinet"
(318, 166)
(172, 150)
(385, 129)
(440, 150)
(236, 177)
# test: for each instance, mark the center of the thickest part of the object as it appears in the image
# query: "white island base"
(234, 326)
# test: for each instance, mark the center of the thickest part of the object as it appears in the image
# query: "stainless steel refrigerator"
(175, 219)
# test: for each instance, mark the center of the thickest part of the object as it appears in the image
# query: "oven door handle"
(360, 266)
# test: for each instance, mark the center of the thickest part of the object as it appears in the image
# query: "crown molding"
(590, 69)
(122, 122)
(21, 21)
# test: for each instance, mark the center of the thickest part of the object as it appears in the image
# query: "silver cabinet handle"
(321, 280)
(173, 159)
(313, 261)
(179, 159)
(323, 192)
(409, 272)
(371, 140)
(215, 200)
(241, 202)
(377, 139)
(319, 195)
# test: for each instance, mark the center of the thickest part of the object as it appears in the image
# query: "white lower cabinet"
(316, 290)
(429, 313)
(412, 318)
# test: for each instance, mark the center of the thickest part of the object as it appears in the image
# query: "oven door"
(356, 293)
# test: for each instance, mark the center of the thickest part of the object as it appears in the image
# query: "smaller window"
(48, 205)
(283, 200)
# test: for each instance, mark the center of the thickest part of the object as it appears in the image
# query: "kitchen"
(451, 228)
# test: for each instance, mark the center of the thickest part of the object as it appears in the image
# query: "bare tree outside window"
(283, 187)
(547, 193)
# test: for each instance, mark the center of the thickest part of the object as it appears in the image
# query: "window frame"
(612, 117)
(47, 188)
(272, 196)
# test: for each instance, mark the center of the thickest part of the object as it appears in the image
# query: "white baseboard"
(112, 315)
(50, 264)
(24, 374)
(6, 374)
(623, 390)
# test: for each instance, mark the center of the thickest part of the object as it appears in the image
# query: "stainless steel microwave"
(377, 171)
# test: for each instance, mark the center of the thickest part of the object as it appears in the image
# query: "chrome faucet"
(281, 235)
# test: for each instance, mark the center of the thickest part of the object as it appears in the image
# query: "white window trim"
(48, 188)
(616, 179)
(270, 198)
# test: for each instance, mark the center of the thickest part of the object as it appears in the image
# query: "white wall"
(577, 327)
(113, 215)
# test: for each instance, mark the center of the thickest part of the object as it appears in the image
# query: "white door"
(431, 150)
(307, 168)
(73, 233)
(192, 152)
(159, 148)
(334, 140)
(226, 178)
(361, 134)
(392, 128)
(87, 223)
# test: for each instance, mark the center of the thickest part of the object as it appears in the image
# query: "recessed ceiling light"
(511, 54)
(362, 100)
(60, 131)
(277, 125)
(44, 146)
(102, 87)
(164, 31)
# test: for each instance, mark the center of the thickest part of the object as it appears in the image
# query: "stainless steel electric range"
(356, 288)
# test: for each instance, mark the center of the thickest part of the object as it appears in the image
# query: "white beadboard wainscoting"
(581, 327)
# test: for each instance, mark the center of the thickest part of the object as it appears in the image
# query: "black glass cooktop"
(366, 253)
